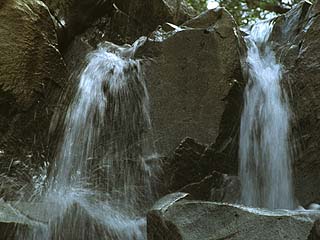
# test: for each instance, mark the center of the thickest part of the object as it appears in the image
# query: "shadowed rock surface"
(189, 79)
(119, 21)
(185, 102)
(32, 75)
(296, 36)
(175, 218)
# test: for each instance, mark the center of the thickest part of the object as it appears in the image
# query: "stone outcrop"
(32, 73)
(187, 170)
(215, 187)
(304, 79)
(119, 21)
(184, 166)
(296, 36)
(176, 218)
(24, 220)
(190, 77)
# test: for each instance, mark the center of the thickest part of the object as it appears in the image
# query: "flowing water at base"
(101, 180)
(265, 159)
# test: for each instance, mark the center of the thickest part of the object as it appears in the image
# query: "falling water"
(265, 162)
(102, 176)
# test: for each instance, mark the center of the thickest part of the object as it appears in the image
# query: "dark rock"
(32, 73)
(190, 79)
(199, 190)
(13, 222)
(301, 59)
(184, 166)
(185, 219)
(156, 227)
(118, 21)
(225, 188)
(216, 187)
(315, 232)
(210, 18)
(63, 220)
(192, 76)
(73, 17)
(186, 171)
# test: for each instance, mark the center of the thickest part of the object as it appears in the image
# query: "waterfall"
(101, 180)
(265, 157)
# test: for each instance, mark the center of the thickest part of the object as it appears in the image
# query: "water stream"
(102, 178)
(265, 157)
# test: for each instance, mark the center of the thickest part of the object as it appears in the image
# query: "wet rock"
(315, 232)
(66, 220)
(210, 18)
(225, 188)
(190, 78)
(184, 166)
(32, 73)
(185, 219)
(199, 190)
(192, 75)
(186, 171)
(152, 13)
(13, 222)
(301, 59)
(73, 17)
(118, 21)
(155, 224)
(216, 187)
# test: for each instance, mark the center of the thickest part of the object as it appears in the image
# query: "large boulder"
(184, 167)
(190, 78)
(296, 36)
(305, 84)
(187, 170)
(176, 218)
(192, 75)
(32, 73)
(116, 21)
(66, 220)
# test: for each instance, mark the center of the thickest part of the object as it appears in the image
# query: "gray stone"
(191, 74)
(123, 19)
(32, 73)
(57, 220)
(184, 166)
(225, 188)
(185, 219)
(299, 52)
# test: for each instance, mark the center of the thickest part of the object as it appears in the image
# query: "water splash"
(102, 177)
(265, 160)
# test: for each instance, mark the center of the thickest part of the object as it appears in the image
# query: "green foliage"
(199, 5)
(248, 11)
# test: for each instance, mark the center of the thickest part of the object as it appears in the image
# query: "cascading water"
(265, 157)
(100, 168)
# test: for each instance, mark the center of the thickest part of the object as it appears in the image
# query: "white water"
(101, 182)
(265, 159)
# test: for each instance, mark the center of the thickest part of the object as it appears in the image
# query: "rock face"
(119, 21)
(31, 74)
(304, 77)
(13, 222)
(191, 74)
(185, 166)
(188, 170)
(22, 220)
(173, 218)
(296, 35)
